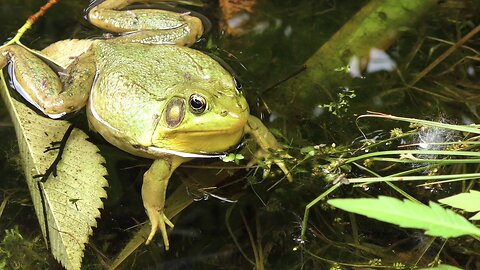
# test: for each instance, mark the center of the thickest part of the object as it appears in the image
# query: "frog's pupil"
(197, 103)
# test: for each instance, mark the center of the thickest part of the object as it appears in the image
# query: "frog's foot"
(158, 219)
(267, 142)
(262, 154)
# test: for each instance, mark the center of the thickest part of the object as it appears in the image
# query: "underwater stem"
(444, 55)
(312, 203)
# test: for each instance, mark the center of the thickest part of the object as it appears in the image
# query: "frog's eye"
(198, 104)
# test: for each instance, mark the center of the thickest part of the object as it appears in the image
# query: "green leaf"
(229, 158)
(436, 220)
(239, 157)
(233, 158)
(443, 267)
(469, 202)
(67, 205)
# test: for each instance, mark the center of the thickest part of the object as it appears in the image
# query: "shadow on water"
(265, 45)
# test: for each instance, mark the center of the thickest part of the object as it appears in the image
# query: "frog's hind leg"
(150, 26)
(54, 93)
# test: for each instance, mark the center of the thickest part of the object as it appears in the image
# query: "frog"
(145, 91)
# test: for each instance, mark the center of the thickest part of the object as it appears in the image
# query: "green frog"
(145, 91)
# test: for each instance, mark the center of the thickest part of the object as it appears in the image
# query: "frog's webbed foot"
(267, 143)
(158, 219)
(269, 159)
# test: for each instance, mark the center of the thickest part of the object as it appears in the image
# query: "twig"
(445, 55)
(30, 21)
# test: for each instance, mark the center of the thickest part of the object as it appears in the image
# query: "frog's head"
(201, 120)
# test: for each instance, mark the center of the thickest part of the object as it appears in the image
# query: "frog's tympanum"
(145, 92)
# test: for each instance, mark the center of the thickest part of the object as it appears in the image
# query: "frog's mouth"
(196, 143)
(233, 144)
(204, 133)
(171, 123)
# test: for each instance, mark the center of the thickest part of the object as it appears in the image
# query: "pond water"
(267, 52)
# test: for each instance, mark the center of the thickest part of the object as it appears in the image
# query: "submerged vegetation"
(420, 172)
(18, 253)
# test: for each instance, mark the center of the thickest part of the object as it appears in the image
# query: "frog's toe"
(258, 155)
(284, 169)
(158, 220)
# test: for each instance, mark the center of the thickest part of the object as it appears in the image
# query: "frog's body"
(144, 92)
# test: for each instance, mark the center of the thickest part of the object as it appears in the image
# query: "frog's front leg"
(154, 189)
(267, 142)
(151, 26)
(54, 94)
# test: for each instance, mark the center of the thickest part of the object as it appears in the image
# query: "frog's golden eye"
(198, 104)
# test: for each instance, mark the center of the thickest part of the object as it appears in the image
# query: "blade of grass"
(444, 182)
(390, 184)
(414, 152)
(431, 161)
(464, 176)
(463, 128)
(311, 204)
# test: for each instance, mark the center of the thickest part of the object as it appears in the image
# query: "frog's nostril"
(224, 113)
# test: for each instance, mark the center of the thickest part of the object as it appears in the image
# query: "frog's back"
(156, 68)
(134, 82)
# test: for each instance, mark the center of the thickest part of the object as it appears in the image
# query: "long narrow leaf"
(414, 152)
(436, 220)
(462, 176)
(463, 128)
